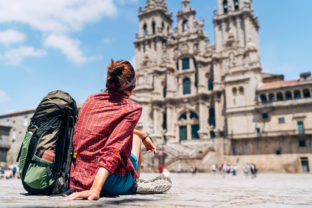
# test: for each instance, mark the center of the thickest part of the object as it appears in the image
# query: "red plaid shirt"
(103, 138)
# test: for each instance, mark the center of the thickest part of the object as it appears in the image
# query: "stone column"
(203, 122)
(170, 123)
(157, 133)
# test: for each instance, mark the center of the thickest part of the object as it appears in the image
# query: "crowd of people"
(249, 169)
(10, 172)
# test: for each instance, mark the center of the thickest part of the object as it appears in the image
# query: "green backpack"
(46, 151)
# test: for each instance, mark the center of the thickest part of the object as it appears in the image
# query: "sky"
(67, 44)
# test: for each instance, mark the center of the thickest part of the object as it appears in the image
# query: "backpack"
(46, 151)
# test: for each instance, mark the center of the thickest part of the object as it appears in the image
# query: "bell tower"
(235, 21)
(154, 29)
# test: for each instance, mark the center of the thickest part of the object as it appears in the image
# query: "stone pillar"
(203, 122)
(189, 129)
(170, 123)
(156, 113)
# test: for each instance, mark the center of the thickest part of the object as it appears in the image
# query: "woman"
(107, 149)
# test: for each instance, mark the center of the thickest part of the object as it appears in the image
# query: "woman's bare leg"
(136, 150)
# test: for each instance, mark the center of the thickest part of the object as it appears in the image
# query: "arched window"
(195, 129)
(271, 97)
(234, 90)
(162, 27)
(164, 121)
(185, 26)
(306, 93)
(225, 6)
(193, 115)
(154, 27)
(297, 94)
(144, 30)
(183, 116)
(210, 84)
(185, 63)
(236, 5)
(165, 91)
(186, 86)
(183, 133)
(241, 90)
(212, 117)
(280, 96)
(288, 95)
(263, 99)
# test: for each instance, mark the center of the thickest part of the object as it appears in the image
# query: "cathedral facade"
(208, 103)
(207, 96)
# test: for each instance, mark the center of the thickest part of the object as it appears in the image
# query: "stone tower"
(236, 32)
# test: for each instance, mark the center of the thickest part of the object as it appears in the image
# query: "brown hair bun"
(120, 76)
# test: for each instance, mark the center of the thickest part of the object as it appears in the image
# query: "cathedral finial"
(186, 5)
(155, 5)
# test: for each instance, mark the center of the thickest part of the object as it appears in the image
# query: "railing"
(270, 133)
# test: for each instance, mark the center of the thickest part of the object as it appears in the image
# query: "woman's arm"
(95, 191)
(147, 141)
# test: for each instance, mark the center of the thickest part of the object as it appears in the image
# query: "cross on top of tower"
(155, 4)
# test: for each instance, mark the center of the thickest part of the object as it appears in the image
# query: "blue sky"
(67, 44)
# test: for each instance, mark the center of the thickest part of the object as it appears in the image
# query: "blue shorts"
(115, 184)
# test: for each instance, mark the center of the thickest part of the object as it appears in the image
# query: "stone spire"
(155, 4)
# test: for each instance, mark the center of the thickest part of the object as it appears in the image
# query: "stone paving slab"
(200, 190)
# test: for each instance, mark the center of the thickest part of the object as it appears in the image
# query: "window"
(265, 115)
(210, 84)
(183, 116)
(212, 118)
(183, 133)
(25, 121)
(212, 134)
(13, 135)
(236, 5)
(154, 28)
(300, 127)
(280, 96)
(258, 131)
(263, 99)
(165, 92)
(186, 86)
(271, 97)
(144, 30)
(164, 121)
(306, 93)
(297, 94)
(8, 122)
(195, 129)
(288, 95)
(302, 143)
(241, 90)
(185, 26)
(305, 165)
(185, 63)
(193, 115)
(234, 90)
(225, 6)
(281, 120)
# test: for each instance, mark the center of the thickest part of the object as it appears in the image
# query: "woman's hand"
(94, 192)
(150, 147)
(90, 195)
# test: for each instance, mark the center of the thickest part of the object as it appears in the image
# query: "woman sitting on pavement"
(107, 149)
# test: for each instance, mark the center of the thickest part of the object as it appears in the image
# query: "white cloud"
(15, 56)
(55, 15)
(4, 97)
(11, 36)
(69, 47)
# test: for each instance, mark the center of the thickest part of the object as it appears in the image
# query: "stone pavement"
(200, 190)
